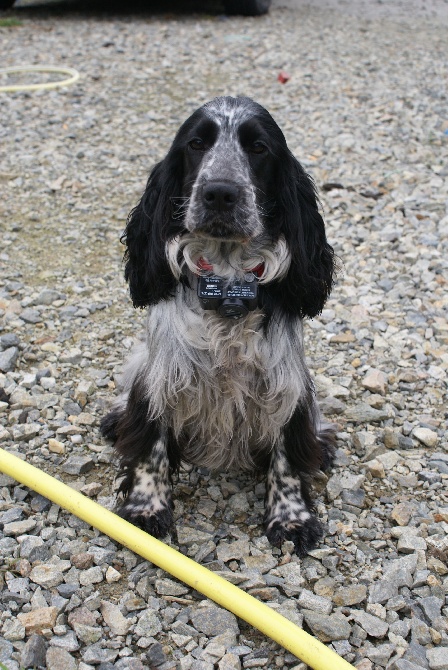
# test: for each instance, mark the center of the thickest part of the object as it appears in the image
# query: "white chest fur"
(225, 387)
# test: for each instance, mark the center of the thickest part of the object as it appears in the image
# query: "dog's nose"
(221, 196)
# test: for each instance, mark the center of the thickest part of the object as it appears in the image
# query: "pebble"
(68, 642)
(34, 652)
(311, 601)
(19, 527)
(403, 664)
(55, 446)
(229, 662)
(112, 575)
(78, 465)
(431, 607)
(437, 658)
(148, 624)
(13, 630)
(426, 436)
(169, 587)
(59, 659)
(8, 359)
(375, 381)
(407, 544)
(227, 551)
(95, 654)
(402, 513)
(93, 575)
(239, 503)
(380, 654)
(350, 595)
(382, 591)
(46, 575)
(38, 619)
(214, 621)
(364, 413)
(371, 624)
(327, 627)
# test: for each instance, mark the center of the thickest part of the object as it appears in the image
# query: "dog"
(227, 250)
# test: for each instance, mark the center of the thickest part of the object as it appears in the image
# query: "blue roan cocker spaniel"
(227, 250)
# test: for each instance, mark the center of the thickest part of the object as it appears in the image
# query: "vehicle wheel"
(6, 4)
(247, 7)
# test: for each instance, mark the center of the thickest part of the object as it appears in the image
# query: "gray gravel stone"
(188, 536)
(328, 627)
(420, 632)
(47, 575)
(78, 465)
(431, 607)
(169, 587)
(437, 658)
(8, 359)
(371, 624)
(6, 650)
(9, 340)
(309, 600)
(382, 591)
(113, 617)
(30, 315)
(416, 653)
(68, 642)
(408, 543)
(96, 654)
(350, 595)
(426, 436)
(34, 652)
(93, 575)
(13, 630)
(148, 624)
(19, 527)
(238, 502)
(214, 621)
(59, 659)
(381, 654)
(403, 664)
(363, 413)
(226, 551)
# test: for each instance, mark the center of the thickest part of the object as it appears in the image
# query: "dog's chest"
(227, 388)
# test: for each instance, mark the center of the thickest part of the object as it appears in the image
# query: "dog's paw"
(304, 534)
(327, 441)
(156, 523)
(108, 425)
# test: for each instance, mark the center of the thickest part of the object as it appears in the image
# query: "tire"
(246, 7)
(6, 4)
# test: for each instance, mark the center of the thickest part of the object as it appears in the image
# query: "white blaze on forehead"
(225, 112)
(226, 157)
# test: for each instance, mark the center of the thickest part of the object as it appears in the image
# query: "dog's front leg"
(147, 484)
(289, 513)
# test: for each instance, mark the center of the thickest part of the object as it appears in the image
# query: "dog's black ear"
(310, 278)
(148, 228)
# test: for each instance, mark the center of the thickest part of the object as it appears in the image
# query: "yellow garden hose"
(72, 76)
(268, 621)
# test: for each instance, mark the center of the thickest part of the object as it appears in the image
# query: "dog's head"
(230, 181)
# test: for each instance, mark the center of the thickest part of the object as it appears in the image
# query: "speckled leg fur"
(149, 504)
(288, 515)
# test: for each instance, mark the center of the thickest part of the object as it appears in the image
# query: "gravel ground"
(366, 112)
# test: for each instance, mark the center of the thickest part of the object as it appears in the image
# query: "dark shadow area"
(102, 9)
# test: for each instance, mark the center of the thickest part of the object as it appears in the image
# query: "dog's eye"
(197, 144)
(258, 148)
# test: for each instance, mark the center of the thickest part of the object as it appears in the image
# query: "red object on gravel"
(283, 77)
